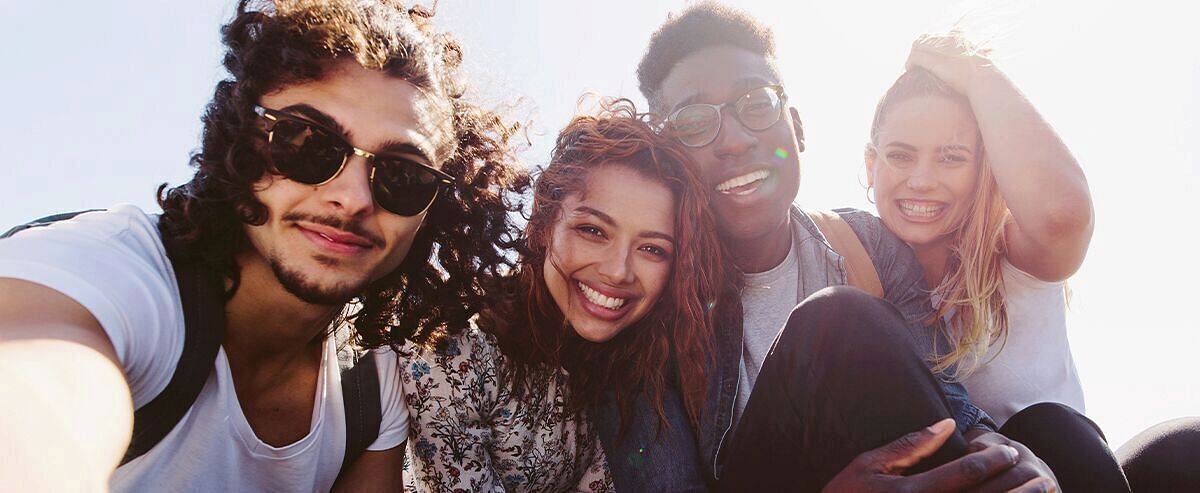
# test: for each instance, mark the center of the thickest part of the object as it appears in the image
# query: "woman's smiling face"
(611, 252)
(924, 165)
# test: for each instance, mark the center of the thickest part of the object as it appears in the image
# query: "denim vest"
(673, 459)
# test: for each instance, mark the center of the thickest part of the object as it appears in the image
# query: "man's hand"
(1029, 467)
(882, 469)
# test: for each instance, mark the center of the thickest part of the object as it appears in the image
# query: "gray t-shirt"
(764, 302)
(768, 299)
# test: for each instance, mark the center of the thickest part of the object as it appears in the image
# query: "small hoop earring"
(870, 196)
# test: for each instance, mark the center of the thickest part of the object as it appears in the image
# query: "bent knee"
(847, 315)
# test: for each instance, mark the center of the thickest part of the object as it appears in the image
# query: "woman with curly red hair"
(618, 271)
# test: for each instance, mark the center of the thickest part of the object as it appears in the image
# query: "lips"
(334, 240)
(607, 305)
(744, 184)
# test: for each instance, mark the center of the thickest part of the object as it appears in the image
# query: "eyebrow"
(609, 220)
(957, 147)
(744, 84)
(317, 116)
(902, 145)
(391, 146)
(945, 148)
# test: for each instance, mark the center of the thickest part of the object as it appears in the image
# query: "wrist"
(984, 79)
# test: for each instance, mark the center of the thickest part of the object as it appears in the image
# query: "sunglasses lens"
(305, 153)
(760, 108)
(403, 187)
(696, 125)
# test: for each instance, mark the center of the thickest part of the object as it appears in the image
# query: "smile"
(599, 299)
(743, 185)
(920, 210)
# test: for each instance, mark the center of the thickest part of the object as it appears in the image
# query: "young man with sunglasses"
(834, 394)
(336, 160)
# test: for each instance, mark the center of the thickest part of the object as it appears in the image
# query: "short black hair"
(698, 27)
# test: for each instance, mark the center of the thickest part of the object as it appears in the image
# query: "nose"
(616, 267)
(733, 139)
(349, 193)
(921, 178)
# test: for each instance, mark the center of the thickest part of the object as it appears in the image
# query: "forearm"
(1040, 180)
(66, 417)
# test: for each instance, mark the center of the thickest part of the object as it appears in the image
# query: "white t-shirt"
(114, 264)
(1034, 364)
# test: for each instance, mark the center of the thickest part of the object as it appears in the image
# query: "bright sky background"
(102, 103)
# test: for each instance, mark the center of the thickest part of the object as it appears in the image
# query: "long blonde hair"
(971, 295)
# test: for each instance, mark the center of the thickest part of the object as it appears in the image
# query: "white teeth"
(743, 180)
(327, 237)
(599, 299)
(922, 210)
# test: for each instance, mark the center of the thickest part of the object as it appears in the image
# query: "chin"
(597, 334)
(312, 289)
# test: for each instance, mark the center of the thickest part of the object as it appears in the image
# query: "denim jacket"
(673, 459)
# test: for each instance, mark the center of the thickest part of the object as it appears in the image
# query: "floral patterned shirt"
(469, 432)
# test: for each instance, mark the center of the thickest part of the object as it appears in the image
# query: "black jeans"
(1071, 444)
(843, 377)
(1165, 457)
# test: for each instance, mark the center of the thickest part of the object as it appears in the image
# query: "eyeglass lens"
(698, 124)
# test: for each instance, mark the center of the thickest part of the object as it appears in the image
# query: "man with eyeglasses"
(337, 160)
(834, 394)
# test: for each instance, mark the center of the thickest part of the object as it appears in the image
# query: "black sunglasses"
(309, 153)
(697, 125)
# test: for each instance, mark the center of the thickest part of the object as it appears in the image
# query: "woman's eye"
(590, 230)
(898, 158)
(656, 251)
(954, 159)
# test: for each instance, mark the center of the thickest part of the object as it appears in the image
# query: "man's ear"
(798, 127)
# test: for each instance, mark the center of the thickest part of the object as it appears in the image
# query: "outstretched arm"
(1038, 177)
(66, 414)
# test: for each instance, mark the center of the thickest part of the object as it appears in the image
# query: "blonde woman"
(963, 168)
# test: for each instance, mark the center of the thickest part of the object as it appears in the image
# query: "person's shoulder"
(859, 219)
(469, 351)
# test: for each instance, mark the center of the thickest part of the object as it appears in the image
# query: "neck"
(762, 253)
(933, 259)
(265, 323)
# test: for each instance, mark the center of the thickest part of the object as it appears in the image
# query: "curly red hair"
(676, 336)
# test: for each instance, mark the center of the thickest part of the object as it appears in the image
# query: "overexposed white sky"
(102, 103)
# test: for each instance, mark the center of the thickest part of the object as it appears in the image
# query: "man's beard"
(309, 292)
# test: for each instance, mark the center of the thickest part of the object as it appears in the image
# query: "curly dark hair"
(676, 335)
(700, 26)
(271, 45)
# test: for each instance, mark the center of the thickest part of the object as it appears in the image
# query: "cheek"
(964, 183)
(702, 162)
(655, 278)
(403, 230)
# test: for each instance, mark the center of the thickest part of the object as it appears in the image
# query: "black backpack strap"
(51, 219)
(201, 293)
(360, 396)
